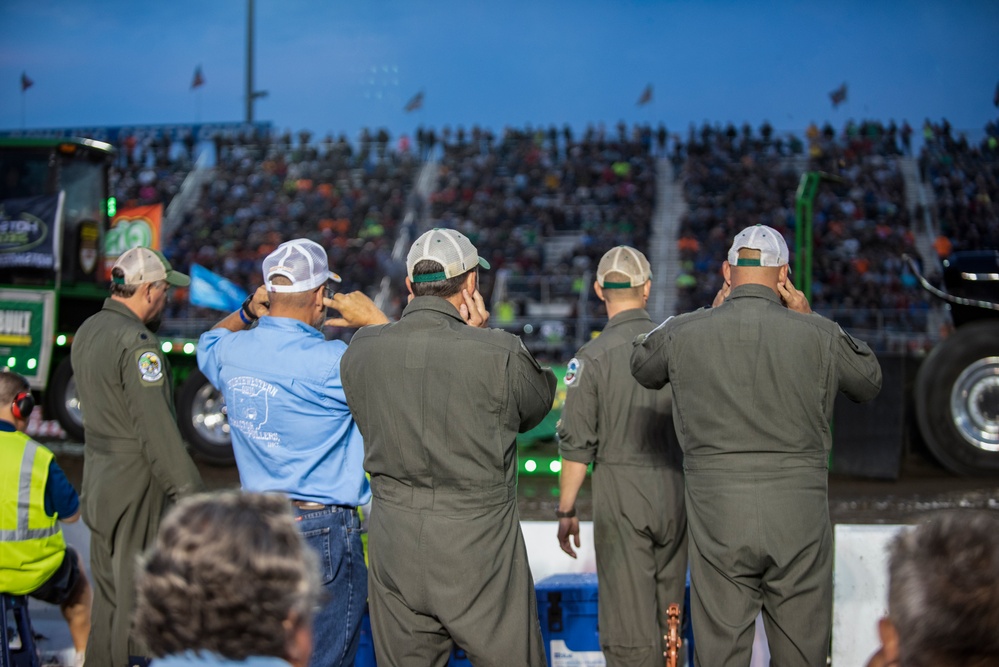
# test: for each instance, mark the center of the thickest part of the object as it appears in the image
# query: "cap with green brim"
(447, 247)
(145, 265)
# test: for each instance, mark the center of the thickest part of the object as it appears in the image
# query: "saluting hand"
(356, 310)
(793, 298)
(259, 305)
(568, 527)
(473, 311)
(723, 293)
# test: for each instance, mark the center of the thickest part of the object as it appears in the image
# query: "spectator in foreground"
(229, 580)
(34, 558)
(943, 595)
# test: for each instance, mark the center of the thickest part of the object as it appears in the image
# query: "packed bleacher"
(543, 204)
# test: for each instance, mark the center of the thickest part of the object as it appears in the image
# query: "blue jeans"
(334, 533)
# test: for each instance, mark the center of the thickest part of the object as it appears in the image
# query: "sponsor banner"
(29, 232)
(175, 131)
(131, 228)
(25, 317)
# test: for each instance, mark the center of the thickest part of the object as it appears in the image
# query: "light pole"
(251, 94)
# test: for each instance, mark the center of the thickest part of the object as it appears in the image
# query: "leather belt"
(312, 506)
(308, 505)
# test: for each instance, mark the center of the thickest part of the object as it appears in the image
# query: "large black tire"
(202, 420)
(64, 403)
(957, 400)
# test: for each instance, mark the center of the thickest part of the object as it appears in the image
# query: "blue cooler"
(567, 609)
(365, 646)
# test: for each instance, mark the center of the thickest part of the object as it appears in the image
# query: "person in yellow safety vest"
(34, 496)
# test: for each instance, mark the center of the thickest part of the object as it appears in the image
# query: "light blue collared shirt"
(291, 429)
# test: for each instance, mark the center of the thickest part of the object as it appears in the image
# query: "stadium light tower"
(251, 94)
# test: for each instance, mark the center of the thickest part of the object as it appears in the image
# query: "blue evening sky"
(330, 65)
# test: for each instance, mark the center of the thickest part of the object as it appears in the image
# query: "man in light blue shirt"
(291, 429)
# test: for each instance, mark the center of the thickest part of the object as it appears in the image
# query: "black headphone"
(23, 404)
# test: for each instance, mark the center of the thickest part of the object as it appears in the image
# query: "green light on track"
(530, 465)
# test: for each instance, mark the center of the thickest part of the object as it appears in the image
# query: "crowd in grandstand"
(513, 192)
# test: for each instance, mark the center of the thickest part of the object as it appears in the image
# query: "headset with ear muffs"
(23, 404)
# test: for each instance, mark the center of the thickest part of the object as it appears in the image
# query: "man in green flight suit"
(754, 380)
(439, 400)
(626, 431)
(135, 461)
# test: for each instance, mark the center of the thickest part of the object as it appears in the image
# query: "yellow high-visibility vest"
(31, 543)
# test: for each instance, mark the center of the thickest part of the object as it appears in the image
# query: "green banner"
(546, 429)
(22, 335)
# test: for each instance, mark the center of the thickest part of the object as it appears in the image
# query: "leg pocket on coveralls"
(319, 540)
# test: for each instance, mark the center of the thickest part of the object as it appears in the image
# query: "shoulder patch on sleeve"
(150, 367)
(572, 371)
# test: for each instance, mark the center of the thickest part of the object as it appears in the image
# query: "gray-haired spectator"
(229, 579)
(943, 594)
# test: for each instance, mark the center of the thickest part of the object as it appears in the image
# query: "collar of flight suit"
(120, 308)
(432, 303)
(758, 291)
(629, 315)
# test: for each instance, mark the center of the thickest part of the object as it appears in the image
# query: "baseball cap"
(451, 249)
(770, 243)
(145, 265)
(627, 261)
(301, 261)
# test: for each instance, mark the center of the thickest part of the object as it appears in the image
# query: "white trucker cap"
(770, 243)
(301, 261)
(451, 249)
(145, 265)
(626, 261)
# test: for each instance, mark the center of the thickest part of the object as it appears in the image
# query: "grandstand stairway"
(188, 196)
(559, 246)
(924, 230)
(663, 254)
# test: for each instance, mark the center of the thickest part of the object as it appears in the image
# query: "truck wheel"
(957, 400)
(65, 402)
(202, 420)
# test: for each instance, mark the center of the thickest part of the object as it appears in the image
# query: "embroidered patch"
(572, 371)
(150, 366)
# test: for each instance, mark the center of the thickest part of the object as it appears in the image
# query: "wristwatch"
(245, 313)
(565, 515)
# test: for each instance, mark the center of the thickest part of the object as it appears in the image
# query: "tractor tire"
(202, 420)
(957, 400)
(64, 402)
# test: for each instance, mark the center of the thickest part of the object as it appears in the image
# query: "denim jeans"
(334, 533)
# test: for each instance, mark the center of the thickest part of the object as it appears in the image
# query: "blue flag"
(211, 290)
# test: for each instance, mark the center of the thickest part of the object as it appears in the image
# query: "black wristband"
(565, 515)
(244, 311)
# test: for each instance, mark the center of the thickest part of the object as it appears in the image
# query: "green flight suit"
(753, 390)
(639, 522)
(134, 464)
(439, 404)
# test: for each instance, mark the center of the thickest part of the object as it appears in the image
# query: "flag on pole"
(199, 79)
(415, 103)
(646, 96)
(838, 96)
(26, 82)
(210, 290)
